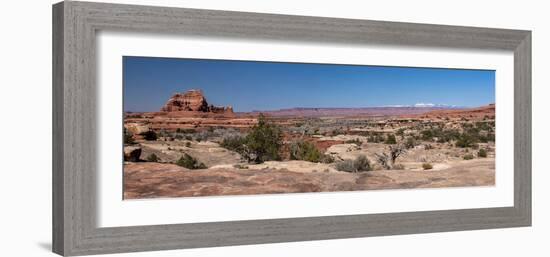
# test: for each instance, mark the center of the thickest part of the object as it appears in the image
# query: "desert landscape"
(191, 147)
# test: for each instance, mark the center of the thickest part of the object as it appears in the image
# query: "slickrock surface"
(155, 180)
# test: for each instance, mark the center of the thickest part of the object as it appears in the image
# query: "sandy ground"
(151, 180)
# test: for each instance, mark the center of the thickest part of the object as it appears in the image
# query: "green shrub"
(187, 161)
(442, 136)
(337, 131)
(234, 143)
(152, 158)
(427, 166)
(482, 153)
(483, 125)
(150, 135)
(263, 142)
(400, 132)
(427, 134)
(491, 137)
(346, 165)
(186, 131)
(468, 156)
(410, 143)
(354, 141)
(303, 150)
(390, 139)
(375, 139)
(162, 133)
(361, 163)
(327, 158)
(465, 140)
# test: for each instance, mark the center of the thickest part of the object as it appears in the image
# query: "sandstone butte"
(193, 101)
(188, 110)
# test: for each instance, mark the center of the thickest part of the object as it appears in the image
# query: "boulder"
(132, 153)
(136, 128)
(342, 148)
(342, 151)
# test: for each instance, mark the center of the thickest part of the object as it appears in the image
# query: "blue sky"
(251, 85)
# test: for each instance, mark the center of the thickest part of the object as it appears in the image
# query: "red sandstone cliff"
(193, 101)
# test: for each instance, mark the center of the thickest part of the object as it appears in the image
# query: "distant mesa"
(193, 101)
(479, 112)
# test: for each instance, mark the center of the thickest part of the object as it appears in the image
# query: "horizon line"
(363, 107)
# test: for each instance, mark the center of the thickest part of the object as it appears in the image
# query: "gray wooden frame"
(74, 129)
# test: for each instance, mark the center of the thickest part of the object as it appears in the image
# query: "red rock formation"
(193, 101)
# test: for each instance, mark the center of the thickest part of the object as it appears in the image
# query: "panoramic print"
(198, 127)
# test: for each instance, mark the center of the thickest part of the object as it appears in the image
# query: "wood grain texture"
(74, 124)
(522, 129)
(58, 231)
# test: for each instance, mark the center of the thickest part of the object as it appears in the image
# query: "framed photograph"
(183, 128)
